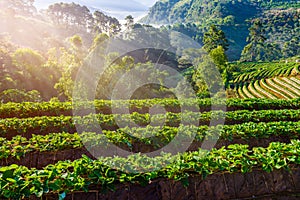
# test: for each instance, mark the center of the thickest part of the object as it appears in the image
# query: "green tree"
(206, 79)
(19, 6)
(214, 38)
(69, 63)
(6, 79)
(292, 47)
(32, 72)
(219, 57)
(255, 47)
(129, 22)
(29, 65)
(77, 47)
(27, 58)
(272, 51)
(28, 61)
(105, 24)
(220, 60)
(70, 15)
(76, 41)
(65, 85)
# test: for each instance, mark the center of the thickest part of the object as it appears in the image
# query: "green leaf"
(8, 174)
(11, 180)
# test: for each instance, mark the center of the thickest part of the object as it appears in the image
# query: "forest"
(65, 33)
(279, 22)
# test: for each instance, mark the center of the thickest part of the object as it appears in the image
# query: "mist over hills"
(280, 20)
(117, 8)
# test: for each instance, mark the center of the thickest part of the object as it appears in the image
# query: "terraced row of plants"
(11, 127)
(274, 88)
(160, 136)
(29, 109)
(65, 176)
(44, 155)
(258, 71)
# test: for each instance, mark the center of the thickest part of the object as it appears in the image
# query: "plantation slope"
(250, 71)
(273, 88)
(42, 157)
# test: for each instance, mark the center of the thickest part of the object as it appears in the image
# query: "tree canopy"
(213, 38)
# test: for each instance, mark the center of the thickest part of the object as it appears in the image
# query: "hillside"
(234, 18)
(93, 110)
(205, 11)
(40, 50)
(273, 80)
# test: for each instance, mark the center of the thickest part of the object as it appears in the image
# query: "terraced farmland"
(273, 88)
(43, 156)
(257, 71)
(67, 133)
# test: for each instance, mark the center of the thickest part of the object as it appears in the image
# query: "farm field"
(150, 100)
(44, 156)
(273, 88)
(263, 70)
(267, 80)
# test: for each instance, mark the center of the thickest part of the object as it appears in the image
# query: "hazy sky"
(116, 8)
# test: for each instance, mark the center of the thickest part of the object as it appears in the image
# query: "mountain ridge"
(186, 11)
(234, 17)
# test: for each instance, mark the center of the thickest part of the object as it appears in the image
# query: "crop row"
(23, 110)
(19, 146)
(262, 91)
(261, 71)
(281, 88)
(42, 125)
(65, 176)
(289, 84)
(296, 79)
(277, 92)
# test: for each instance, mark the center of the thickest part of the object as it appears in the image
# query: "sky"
(116, 8)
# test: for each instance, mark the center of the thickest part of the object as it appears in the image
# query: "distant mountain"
(234, 17)
(203, 11)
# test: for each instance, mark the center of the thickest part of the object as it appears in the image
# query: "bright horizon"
(117, 8)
